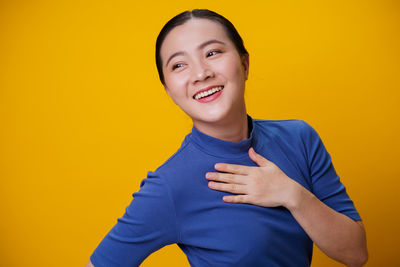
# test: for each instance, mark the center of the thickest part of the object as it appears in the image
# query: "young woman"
(239, 191)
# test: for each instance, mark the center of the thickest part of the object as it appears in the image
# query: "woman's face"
(198, 60)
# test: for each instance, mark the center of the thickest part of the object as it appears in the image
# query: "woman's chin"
(211, 117)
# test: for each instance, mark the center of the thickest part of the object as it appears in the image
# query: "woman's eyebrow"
(210, 42)
(174, 55)
(201, 46)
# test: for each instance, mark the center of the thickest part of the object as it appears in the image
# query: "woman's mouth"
(209, 95)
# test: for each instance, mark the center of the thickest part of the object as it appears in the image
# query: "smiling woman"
(205, 77)
(239, 191)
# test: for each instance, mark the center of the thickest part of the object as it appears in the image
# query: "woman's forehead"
(192, 33)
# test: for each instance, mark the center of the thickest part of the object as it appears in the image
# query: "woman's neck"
(234, 129)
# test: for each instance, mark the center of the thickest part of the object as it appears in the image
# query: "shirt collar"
(222, 148)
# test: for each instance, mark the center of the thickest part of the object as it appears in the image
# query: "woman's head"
(203, 66)
(183, 17)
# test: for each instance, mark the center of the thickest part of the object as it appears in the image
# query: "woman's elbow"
(359, 259)
(363, 257)
(361, 254)
(89, 264)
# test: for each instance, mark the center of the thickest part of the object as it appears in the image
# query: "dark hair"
(203, 14)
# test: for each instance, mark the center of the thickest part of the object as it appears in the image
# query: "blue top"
(175, 204)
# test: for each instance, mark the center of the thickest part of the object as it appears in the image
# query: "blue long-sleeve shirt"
(175, 204)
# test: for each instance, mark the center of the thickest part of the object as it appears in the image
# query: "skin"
(200, 66)
(197, 66)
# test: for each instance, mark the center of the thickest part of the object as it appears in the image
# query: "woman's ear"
(246, 62)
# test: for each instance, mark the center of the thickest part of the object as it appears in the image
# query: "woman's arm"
(337, 235)
(148, 224)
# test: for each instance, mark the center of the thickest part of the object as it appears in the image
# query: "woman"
(239, 191)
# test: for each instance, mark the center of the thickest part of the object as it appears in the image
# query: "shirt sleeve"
(149, 223)
(326, 184)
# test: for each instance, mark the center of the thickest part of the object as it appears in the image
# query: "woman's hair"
(201, 14)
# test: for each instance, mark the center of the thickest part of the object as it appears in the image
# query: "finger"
(236, 199)
(226, 177)
(232, 168)
(257, 158)
(231, 188)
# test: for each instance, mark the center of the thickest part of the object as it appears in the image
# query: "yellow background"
(83, 116)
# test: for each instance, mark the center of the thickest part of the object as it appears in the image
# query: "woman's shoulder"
(279, 127)
(177, 161)
(163, 174)
(294, 131)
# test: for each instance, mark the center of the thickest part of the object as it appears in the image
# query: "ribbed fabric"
(175, 204)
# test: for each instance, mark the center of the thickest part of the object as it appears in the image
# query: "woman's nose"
(200, 72)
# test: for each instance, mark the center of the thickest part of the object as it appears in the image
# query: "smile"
(207, 93)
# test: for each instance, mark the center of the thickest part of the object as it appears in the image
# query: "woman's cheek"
(233, 67)
(176, 83)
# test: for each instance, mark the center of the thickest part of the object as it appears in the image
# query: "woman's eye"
(179, 65)
(212, 53)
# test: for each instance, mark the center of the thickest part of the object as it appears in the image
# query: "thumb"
(257, 158)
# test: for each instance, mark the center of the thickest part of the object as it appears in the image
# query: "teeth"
(209, 92)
